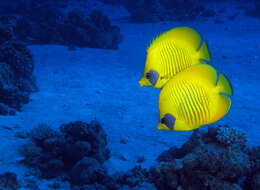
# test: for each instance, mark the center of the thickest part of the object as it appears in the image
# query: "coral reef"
(16, 74)
(210, 160)
(216, 159)
(133, 178)
(45, 22)
(75, 147)
(77, 152)
(158, 10)
(25, 6)
(92, 31)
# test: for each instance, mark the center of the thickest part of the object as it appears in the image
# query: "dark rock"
(75, 152)
(91, 187)
(23, 29)
(88, 171)
(31, 153)
(6, 110)
(158, 10)
(140, 159)
(16, 74)
(254, 11)
(133, 178)
(216, 159)
(13, 98)
(55, 147)
(254, 155)
(163, 177)
(139, 14)
(78, 150)
(18, 57)
(231, 162)
(5, 34)
(202, 181)
(256, 181)
(91, 133)
(228, 136)
(143, 186)
(52, 169)
(169, 155)
(8, 181)
(41, 133)
(44, 22)
(92, 31)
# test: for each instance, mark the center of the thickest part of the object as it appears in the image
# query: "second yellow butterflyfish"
(171, 52)
(194, 97)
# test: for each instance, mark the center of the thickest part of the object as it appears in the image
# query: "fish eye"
(147, 75)
(163, 120)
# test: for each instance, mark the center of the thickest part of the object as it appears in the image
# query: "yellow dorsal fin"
(204, 53)
(203, 73)
(224, 85)
(184, 36)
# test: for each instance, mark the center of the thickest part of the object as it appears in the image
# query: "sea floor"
(88, 83)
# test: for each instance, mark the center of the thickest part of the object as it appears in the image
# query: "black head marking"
(168, 120)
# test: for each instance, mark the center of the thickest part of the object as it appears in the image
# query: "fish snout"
(142, 82)
(161, 126)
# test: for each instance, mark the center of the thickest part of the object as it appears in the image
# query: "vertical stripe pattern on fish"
(172, 52)
(194, 98)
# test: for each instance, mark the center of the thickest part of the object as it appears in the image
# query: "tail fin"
(224, 85)
(204, 53)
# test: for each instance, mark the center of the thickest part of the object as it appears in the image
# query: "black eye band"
(153, 77)
(147, 75)
(168, 120)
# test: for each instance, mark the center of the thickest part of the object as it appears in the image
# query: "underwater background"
(72, 115)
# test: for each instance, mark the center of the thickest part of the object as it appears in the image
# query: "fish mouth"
(161, 126)
(142, 82)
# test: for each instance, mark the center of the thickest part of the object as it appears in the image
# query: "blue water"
(88, 67)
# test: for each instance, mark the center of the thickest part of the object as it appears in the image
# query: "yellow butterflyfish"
(194, 97)
(171, 52)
